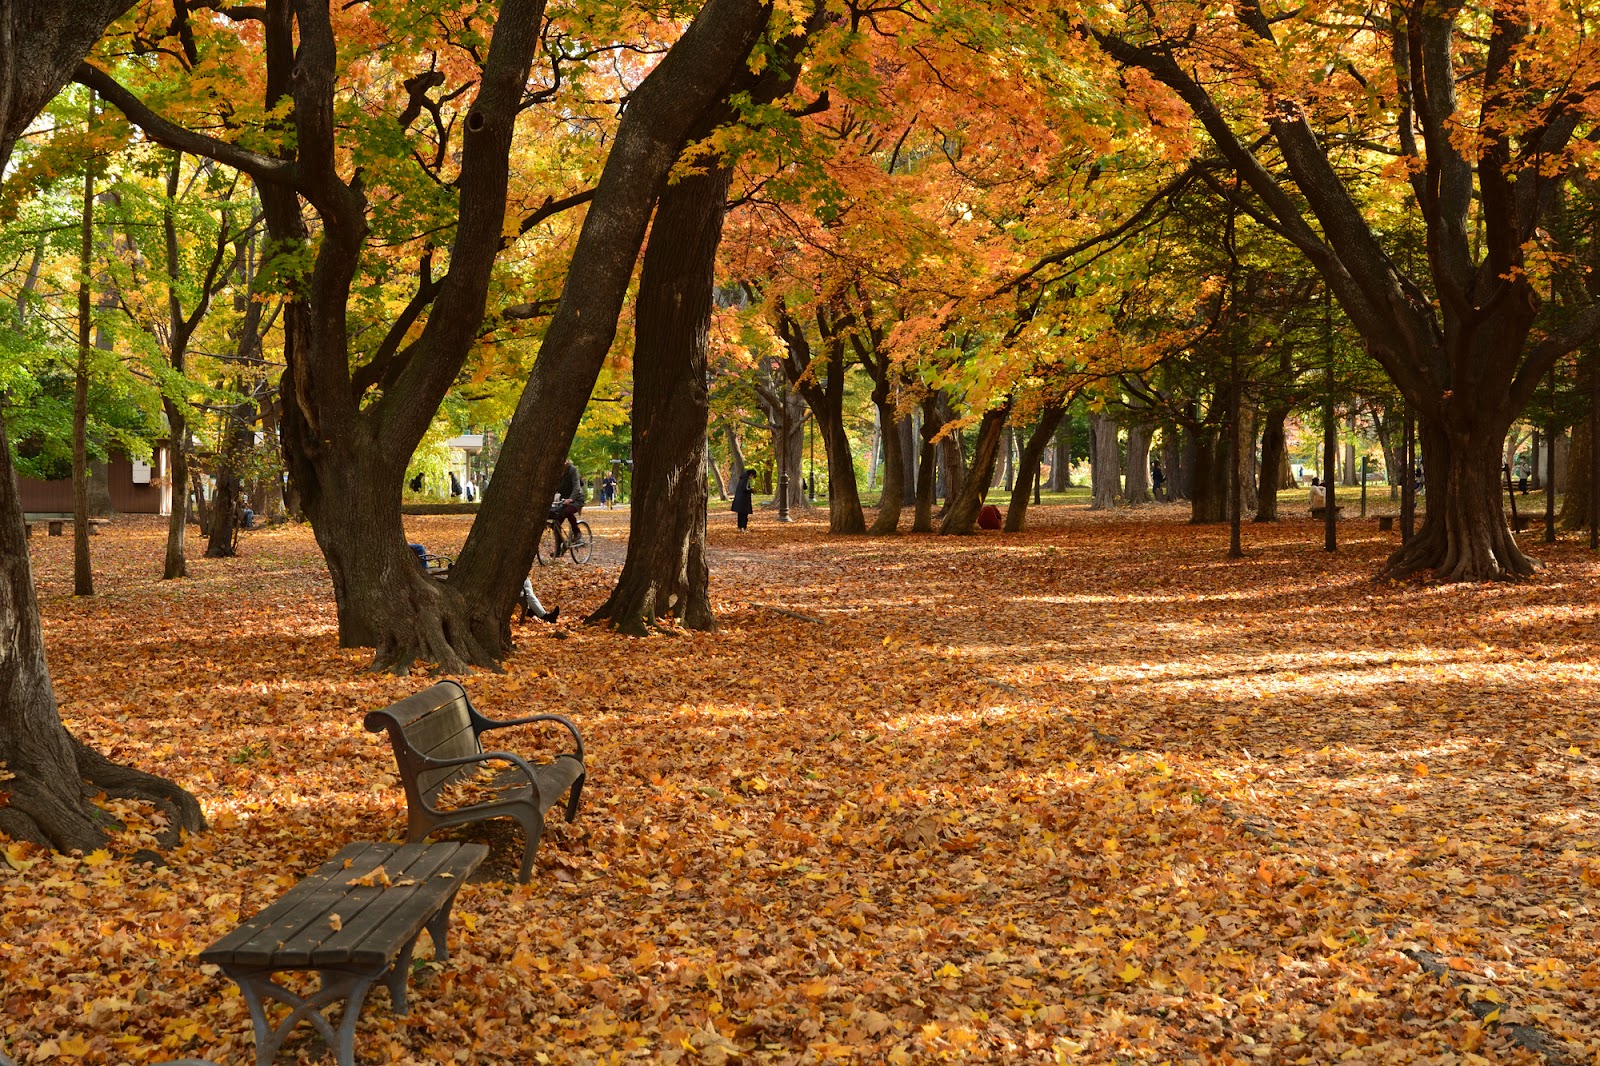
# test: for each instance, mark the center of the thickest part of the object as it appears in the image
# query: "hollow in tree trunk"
(665, 572)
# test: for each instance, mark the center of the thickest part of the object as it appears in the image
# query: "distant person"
(608, 490)
(416, 482)
(1158, 479)
(455, 486)
(743, 502)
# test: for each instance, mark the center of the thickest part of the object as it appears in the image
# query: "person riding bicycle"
(571, 500)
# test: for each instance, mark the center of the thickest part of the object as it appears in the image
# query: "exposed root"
(124, 782)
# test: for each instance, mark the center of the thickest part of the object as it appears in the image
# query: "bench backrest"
(436, 723)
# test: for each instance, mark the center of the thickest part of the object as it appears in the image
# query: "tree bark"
(1105, 478)
(665, 572)
(1042, 437)
(922, 518)
(1575, 500)
(1273, 455)
(82, 566)
(889, 500)
(1061, 461)
(961, 516)
(1464, 535)
(55, 775)
(824, 395)
(1208, 497)
(1138, 477)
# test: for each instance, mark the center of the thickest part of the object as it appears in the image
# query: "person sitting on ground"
(531, 607)
(572, 498)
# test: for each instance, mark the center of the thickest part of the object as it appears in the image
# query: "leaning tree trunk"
(961, 516)
(1273, 453)
(844, 497)
(1032, 452)
(665, 572)
(1465, 536)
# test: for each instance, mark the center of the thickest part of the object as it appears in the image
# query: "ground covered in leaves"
(1092, 793)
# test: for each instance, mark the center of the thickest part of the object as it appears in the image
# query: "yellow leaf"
(1197, 936)
(335, 922)
(17, 855)
(1421, 769)
(1492, 1016)
(947, 970)
(77, 1046)
(97, 858)
(1130, 972)
(1398, 808)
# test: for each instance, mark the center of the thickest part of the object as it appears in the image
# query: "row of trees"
(975, 214)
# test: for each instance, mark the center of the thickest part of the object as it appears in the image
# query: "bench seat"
(354, 920)
(437, 734)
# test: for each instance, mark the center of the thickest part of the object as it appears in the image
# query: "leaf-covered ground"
(1093, 793)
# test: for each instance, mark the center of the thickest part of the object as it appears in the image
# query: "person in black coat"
(742, 504)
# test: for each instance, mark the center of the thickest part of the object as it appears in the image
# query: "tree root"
(124, 782)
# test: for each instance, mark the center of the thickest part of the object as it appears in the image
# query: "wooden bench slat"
(240, 947)
(304, 933)
(386, 919)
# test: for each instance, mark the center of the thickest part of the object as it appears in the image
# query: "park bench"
(354, 921)
(58, 526)
(437, 740)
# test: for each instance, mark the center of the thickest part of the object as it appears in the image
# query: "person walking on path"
(742, 505)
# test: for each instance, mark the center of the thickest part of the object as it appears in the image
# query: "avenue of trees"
(913, 250)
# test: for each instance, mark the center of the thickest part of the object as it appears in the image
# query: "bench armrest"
(486, 724)
(516, 760)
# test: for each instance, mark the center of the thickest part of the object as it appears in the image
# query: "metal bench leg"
(574, 796)
(533, 832)
(259, 988)
(439, 929)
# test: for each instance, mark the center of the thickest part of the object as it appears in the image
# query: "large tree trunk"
(824, 395)
(665, 572)
(1041, 438)
(1464, 536)
(54, 776)
(1208, 497)
(910, 458)
(1138, 477)
(1105, 477)
(1273, 455)
(961, 516)
(1061, 457)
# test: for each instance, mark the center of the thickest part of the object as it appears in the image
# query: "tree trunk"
(961, 516)
(1105, 478)
(1061, 461)
(1274, 454)
(54, 776)
(1138, 477)
(665, 572)
(100, 505)
(1208, 500)
(910, 457)
(1041, 438)
(1249, 466)
(1575, 478)
(889, 500)
(177, 564)
(1007, 478)
(82, 567)
(922, 519)
(1176, 462)
(1464, 536)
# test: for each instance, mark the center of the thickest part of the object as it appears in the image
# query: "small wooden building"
(135, 487)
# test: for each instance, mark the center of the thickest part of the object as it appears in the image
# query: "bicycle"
(576, 548)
